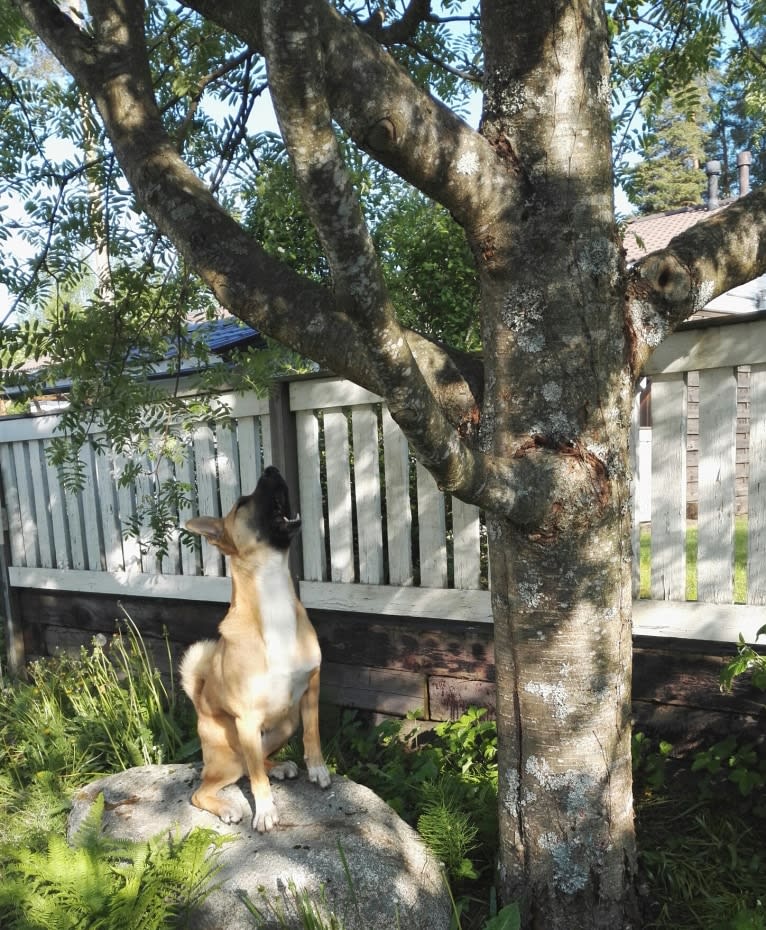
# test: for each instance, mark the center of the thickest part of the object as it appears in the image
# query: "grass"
(700, 820)
(692, 536)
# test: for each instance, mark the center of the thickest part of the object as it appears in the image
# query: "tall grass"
(692, 566)
(105, 710)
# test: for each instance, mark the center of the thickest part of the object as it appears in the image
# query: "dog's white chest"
(287, 672)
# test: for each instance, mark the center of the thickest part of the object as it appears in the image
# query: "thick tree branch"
(400, 124)
(709, 259)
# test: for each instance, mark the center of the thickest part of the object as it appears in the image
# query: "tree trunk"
(558, 394)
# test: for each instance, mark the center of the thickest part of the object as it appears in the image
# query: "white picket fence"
(378, 536)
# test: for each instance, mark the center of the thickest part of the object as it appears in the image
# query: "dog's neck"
(265, 592)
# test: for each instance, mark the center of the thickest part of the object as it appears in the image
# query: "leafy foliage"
(104, 711)
(444, 782)
(100, 882)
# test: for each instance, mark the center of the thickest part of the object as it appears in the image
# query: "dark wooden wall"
(396, 665)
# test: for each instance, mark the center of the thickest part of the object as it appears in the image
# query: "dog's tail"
(195, 666)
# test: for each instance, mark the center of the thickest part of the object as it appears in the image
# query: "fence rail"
(378, 536)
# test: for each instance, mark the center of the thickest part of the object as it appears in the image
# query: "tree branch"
(720, 253)
(400, 125)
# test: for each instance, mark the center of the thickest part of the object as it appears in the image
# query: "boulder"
(343, 846)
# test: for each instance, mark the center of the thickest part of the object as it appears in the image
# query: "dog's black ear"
(209, 527)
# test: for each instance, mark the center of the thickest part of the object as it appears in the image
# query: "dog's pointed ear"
(209, 527)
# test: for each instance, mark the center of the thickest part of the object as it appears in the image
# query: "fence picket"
(26, 506)
(668, 572)
(58, 517)
(110, 516)
(717, 471)
(313, 535)
(41, 503)
(466, 542)
(339, 497)
(635, 496)
(249, 443)
(185, 474)
(364, 423)
(396, 459)
(432, 531)
(13, 505)
(756, 522)
(207, 497)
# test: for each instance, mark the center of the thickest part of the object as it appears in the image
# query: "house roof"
(220, 337)
(646, 234)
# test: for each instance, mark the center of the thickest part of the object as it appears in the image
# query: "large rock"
(393, 881)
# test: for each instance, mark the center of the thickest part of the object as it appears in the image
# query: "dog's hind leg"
(223, 766)
(312, 747)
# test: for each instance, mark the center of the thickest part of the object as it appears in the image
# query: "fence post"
(284, 454)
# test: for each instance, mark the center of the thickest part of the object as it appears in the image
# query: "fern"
(102, 883)
(448, 831)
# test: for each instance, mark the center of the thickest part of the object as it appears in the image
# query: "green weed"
(106, 883)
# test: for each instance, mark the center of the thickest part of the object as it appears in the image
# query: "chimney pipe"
(713, 170)
(744, 160)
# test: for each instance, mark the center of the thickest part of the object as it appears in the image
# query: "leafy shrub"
(105, 710)
(105, 883)
(443, 782)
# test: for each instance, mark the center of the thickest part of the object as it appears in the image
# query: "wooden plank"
(328, 392)
(114, 560)
(124, 584)
(58, 517)
(720, 623)
(432, 531)
(636, 488)
(313, 534)
(190, 557)
(266, 443)
(171, 563)
(756, 523)
(41, 503)
(717, 468)
(227, 462)
(364, 421)
(374, 689)
(249, 443)
(716, 347)
(403, 601)
(339, 497)
(145, 484)
(126, 506)
(207, 495)
(28, 428)
(450, 698)
(398, 509)
(26, 504)
(13, 505)
(430, 646)
(466, 544)
(245, 404)
(668, 566)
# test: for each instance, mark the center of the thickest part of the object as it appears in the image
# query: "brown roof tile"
(646, 234)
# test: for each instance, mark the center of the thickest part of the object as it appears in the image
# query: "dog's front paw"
(230, 814)
(266, 816)
(284, 770)
(319, 775)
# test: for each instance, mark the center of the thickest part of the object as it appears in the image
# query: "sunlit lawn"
(740, 560)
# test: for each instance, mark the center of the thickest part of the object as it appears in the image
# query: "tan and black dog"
(255, 684)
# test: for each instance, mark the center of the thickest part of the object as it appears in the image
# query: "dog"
(253, 686)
